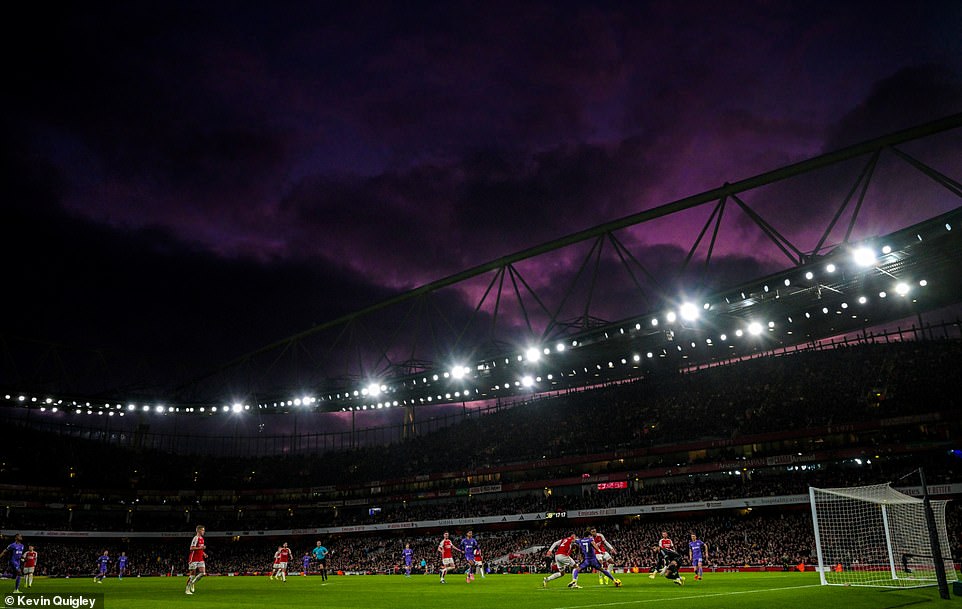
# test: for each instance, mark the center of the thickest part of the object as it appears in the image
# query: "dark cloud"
(191, 182)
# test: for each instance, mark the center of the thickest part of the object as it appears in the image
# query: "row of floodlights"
(58, 405)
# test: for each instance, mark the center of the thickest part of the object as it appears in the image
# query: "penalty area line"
(682, 598)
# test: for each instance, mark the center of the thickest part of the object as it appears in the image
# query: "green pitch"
(717, 590)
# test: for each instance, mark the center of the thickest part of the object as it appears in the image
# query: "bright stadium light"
(864, 256)
(688, 311)
(902, 289)
(533, 354)
(887, 249)
(527, 381)
(373, 389)
(559, 347)
(458, 372)
(754, 328)
(671, 317)
(809, 275)
(237, 407)
(830, 268)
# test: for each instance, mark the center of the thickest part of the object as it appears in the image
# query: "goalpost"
(876, 536)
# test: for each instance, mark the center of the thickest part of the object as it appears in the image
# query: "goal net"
(877, 536)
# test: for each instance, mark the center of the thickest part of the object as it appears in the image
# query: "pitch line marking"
(681, 598)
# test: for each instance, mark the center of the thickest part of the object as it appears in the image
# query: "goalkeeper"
(671, 573)
(664, 556)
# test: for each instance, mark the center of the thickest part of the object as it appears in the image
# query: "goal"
(877, 536)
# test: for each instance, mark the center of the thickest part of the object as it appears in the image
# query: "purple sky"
(191, 181)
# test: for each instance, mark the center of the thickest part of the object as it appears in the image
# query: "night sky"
(188, 181)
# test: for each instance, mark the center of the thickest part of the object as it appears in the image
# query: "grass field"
(717, 591)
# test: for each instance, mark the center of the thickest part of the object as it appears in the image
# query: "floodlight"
(755, 328)
(236, 407)
(738, 332)
(458, 372)
(923, 283)
(862, 300)
(688, 311)
(864, 256)
(830, 268)
(902, 289)
(373, 389)
(559, 347)
(654, 321)
(671, 317)
(533, 354)
(809, 275)
(887, 249)
(527, 381)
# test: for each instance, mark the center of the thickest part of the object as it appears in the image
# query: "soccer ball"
(617, 583)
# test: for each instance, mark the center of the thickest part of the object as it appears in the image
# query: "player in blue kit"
(306, 563)
(103, 561)
(408, 555)
(698, 553)
(589, 550)
(121, 565)
(16, 554)
(468, 546)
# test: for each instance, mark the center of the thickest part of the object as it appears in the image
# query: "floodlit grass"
(717, 590)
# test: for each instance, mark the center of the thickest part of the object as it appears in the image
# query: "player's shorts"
(606, 557)
(196, 565)
(447, 562)
(590, 562)
(564, 562)
(282, 566)
(696, 559)
(28, 570)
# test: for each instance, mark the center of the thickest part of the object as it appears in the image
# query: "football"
(617, 583)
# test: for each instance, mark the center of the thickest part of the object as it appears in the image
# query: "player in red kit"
(195, 560)
(29, 565)
(283, 557)
(561, 552)
(446, 548)
(275, 568)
